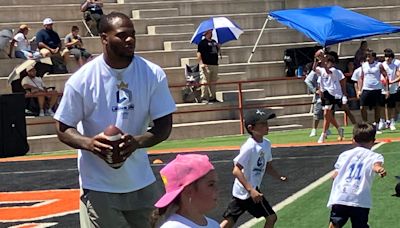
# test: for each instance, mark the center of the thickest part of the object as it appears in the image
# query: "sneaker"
(50, 112)
(328, 132)
(41, 113)
(340, 133)
(204, 101)
(381, 125)
(392, 126)
(313, 132)
(322, 138)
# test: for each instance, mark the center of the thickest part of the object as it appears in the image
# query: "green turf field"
(276, 137)
(310, 210)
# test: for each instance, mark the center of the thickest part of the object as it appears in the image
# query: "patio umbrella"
(224, 30)
(15, 74)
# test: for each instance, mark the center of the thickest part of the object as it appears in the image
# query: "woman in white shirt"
(22, 45)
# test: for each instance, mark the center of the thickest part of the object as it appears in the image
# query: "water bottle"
(300, 71)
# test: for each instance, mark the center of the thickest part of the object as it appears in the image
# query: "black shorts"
(328, 99)
(370, 98)
(390, 102)
(341, 213)
(237, 207)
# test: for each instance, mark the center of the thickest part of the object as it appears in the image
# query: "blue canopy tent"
(329, 24)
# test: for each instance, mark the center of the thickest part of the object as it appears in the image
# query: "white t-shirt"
(253, 157)
(356, 74)
(352, 185)
(178, 221)
(372, 76)
(35, 82)
(330, 82)
(22, 42)
(94, 98)
(391, 70)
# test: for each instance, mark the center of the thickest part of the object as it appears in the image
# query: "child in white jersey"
(250, 165)
(353, 176)
(331, 94)
(388, 105)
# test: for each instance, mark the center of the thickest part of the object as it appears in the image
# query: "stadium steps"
(168, 29)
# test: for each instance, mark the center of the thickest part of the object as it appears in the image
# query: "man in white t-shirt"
(250, 165)
(353, 176)
(122, 89)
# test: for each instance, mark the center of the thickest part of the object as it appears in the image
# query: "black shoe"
(214, 100)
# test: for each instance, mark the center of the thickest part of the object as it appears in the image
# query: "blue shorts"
(341, 213)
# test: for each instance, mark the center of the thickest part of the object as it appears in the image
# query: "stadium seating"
(164, 29)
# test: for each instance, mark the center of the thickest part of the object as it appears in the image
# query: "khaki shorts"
(132, 209)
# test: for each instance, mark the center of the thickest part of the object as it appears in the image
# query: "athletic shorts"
(328, 99)
(390, 102)
(237, 207)
(340, 214)
(318, 111)
(370, 98)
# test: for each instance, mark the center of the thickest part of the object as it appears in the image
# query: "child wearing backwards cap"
(250, 165)
(354, 173)
(191, 191)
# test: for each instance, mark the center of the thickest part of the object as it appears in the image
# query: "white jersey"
(391, 70)
(352, 185)
(331, 82)
(95, 97)
(253, 157)
(372, 76)
(22, 42)
(178, 221)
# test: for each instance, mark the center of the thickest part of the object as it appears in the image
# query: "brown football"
(114, 134)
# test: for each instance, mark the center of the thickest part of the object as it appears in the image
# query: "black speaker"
(13, 138)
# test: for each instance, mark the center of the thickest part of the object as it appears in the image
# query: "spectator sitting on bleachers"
(48, 100)
(92, 12)
(49, 43)
(23, 45)
(73, 42)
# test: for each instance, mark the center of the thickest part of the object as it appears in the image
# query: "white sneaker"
(313, 132)
(322, 138)
(50, 112)
(392, 126)
(41, 113)
(381, 125)
(340, 133)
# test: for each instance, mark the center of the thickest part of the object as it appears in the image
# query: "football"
(113, 135)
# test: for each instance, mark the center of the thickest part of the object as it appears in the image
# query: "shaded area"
(302, 165)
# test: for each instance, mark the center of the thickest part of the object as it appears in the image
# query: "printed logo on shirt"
(123, 98)
(260, 164)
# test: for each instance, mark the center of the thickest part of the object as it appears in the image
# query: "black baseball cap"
(258, 115)
(397, 189)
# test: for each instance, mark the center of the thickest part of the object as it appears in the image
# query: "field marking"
(297, 195)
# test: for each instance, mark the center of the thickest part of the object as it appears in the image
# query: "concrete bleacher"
(163, 30)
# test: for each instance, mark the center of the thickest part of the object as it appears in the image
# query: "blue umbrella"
(224, 30)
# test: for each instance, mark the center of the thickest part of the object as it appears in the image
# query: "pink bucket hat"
(180, 172)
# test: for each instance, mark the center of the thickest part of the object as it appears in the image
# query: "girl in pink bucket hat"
(190, 191)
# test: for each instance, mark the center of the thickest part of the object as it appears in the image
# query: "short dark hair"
(105, 21)
(388, 53)
(74, 28)
(330, 58)
(364, 132)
